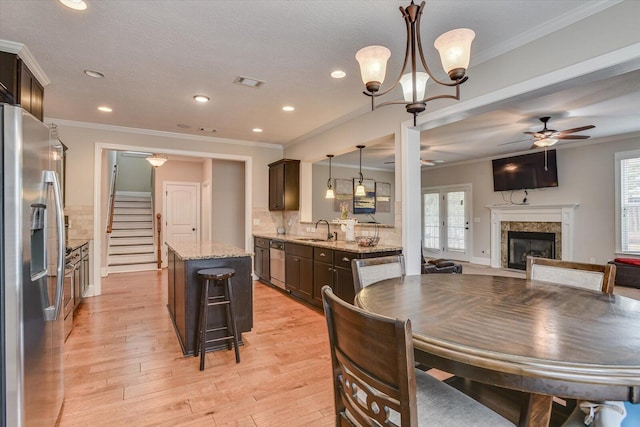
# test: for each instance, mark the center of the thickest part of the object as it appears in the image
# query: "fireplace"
(558, 219)
(521, 244)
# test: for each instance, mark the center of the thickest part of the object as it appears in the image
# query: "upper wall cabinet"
(284, 185)
(19, 86)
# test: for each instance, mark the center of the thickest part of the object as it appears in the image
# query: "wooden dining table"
(540, 338)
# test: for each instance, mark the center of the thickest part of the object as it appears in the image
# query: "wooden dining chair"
(371, 270)
(596, 277)
(582, 275)
(374, 379)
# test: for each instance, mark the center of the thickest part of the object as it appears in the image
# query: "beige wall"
(227, 202)
(134, 174)
(324, 208)
(585, 176)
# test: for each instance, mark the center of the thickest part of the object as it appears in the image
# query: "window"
(628, 202)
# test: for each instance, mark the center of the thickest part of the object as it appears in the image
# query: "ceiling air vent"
(249, 82)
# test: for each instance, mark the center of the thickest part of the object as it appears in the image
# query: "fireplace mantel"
(563, 214)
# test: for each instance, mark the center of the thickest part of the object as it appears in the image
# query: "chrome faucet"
(330, 235)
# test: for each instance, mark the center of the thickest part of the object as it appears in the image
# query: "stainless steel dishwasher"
(276, 263)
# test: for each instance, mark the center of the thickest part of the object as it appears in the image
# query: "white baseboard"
(104, 272)
(481, 261)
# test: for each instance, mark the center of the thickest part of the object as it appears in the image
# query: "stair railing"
(159, 227)
(112, 196)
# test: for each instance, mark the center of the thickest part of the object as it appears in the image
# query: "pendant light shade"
(330, 193)
(157, 160)
(360, 188)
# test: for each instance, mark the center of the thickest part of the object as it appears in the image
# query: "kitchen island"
(184, 287)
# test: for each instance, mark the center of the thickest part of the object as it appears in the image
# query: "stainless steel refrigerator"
(32, 271)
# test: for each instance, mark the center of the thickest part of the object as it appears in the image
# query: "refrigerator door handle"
(53, 312)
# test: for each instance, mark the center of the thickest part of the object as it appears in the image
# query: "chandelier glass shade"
(453, 46)
(156, 160)
(330, 193)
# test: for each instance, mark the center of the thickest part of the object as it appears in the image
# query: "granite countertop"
(206, 249)
(340, 245)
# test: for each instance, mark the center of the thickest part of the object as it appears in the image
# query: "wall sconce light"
(330, 193)
(157, 160)
(360, 188)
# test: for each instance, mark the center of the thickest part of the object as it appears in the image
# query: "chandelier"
(156, 160)
(454, 47)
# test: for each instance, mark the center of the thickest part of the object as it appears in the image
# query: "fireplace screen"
(524, 243)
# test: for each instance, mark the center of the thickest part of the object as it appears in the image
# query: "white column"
(409, 170)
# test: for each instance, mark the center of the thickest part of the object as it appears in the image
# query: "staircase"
(131, 245)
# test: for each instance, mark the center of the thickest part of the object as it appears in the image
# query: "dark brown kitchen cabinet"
(284, 185)
(323, 273)
(18, 85)
(299, 270)
(261, 261)
(333, 268)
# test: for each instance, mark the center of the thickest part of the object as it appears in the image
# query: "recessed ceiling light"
(105, 109)
(74, 4)
(94, 74)
(257, 130)
(201, 98)
(338, 74)
(288, 108)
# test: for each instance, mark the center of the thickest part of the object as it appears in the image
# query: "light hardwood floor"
(124, 366)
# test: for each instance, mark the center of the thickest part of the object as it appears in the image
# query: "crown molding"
(162, 134)
(26, 56)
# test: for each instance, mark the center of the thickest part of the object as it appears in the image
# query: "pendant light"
(360, 188)
(330, 193)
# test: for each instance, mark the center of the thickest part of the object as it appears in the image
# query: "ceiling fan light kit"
(157, 160)
(453, 46)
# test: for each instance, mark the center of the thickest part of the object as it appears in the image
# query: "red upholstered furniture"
(627, 272)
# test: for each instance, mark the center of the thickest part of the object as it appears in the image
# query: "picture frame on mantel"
(364, 204)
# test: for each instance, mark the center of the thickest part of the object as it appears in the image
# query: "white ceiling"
(156, 55)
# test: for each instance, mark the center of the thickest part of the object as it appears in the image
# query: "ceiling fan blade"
(388, 163)
(574, 136)
(574, 130)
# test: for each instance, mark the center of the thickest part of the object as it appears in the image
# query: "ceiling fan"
(547, 137)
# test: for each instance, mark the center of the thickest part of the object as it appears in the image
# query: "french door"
(446, 222)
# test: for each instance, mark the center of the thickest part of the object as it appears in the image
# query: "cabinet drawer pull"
(345, 259)
(322, 254)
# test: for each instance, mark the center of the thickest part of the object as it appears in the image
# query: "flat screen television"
(525, 172)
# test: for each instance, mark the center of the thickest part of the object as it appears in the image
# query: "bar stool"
(210, 277)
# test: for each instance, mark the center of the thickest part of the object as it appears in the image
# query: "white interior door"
(446, 223)
(181, 211)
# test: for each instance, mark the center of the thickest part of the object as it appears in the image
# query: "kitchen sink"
(310, 239)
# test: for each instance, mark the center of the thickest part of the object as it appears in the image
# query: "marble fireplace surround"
(563, 214)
